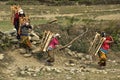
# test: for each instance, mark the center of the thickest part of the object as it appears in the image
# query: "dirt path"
(55, 15)
(109, 17)
(20, 60)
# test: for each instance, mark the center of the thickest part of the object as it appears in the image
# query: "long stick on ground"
(72, 40)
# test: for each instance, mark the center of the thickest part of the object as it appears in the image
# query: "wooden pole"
(93, 43)
(47, 42)
(99, 45)
(46, 38)
(73, 40)
(43, 38)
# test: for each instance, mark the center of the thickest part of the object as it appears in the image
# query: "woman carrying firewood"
(52, 45)
(24, 35)
(104, 49)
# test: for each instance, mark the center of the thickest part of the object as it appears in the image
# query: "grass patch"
(37, 22)
(5, 25)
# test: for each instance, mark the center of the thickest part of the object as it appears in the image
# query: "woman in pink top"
(104, 50)
(52, 45)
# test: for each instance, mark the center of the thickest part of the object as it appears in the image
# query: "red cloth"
(54, 42)
(16, 18)
(105, 44)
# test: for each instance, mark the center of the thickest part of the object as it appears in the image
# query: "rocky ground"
(15, 64)
(68, 66)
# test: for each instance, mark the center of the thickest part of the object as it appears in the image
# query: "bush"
(80, 46)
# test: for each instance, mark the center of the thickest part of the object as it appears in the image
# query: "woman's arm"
(110, 41)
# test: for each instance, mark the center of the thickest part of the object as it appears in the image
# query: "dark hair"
(103, 34)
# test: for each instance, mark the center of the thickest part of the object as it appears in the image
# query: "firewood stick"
(92, 51)
(96, 47)
(94, 41)
(48, 41)
(48, 33)
(73, 40)
(43, 38)
(100, 44)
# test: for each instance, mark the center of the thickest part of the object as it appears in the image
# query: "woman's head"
(57, 35)
(103, 34)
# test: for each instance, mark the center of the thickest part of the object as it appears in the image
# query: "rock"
(88, 57)
(34, 42)
(105, 72)
(72, 71)
(14, 40)
(114, 61)
(109, 60)
(13, 31)
(79, 55)
(29, 73)
(30, 70)
(57, 70)
(1, 56)
(71, 61)
(79, 70)
(68, 78)
(118, 76)
(37, 49)
(34, 38)
(27, 55)
(10, 68)
(72, 64)
(6, 63)
(22, 51)
(11, 74)
(34, 75)
(83, 59)
(37, 70)
(67, 64)
(48, 69)
(70, 53)
(22, 72)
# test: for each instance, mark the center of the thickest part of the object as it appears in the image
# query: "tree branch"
(72, 40)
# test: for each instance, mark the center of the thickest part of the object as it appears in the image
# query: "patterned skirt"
(25, 40)
(103, 58)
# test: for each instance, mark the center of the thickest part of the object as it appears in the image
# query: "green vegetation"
(63, 2)
(5, 25)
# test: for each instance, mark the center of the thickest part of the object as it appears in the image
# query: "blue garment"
(50, 48)
(25, 30)
(24, 34)
(105, 51)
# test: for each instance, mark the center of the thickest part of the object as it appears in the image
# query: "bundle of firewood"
(47, 36)
(14, 9)
(96, 44)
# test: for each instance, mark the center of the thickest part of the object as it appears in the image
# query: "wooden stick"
(93, 43)
(99, 45)
(43, 38)
(47, 42)
(46, 38)
(72, 40)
